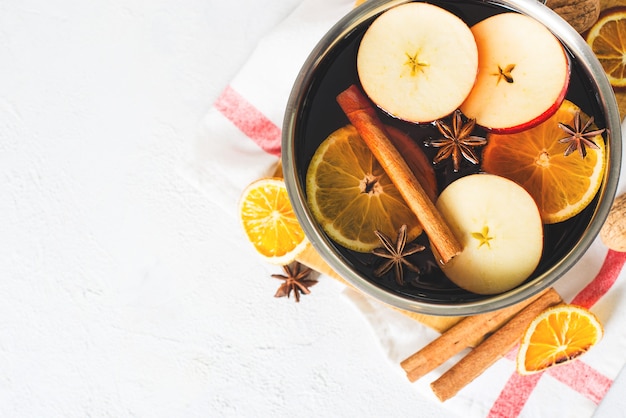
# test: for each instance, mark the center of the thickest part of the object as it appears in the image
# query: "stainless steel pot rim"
(575, 44)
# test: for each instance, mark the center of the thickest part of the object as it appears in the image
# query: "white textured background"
(123, 291)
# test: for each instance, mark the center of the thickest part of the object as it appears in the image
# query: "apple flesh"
(417, 62)
(498, 224)
(523, 74)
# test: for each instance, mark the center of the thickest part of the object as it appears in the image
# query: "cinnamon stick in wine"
(364, 118)
(467, 333)
(493, 348)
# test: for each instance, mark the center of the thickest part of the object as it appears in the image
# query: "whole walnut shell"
(613, 232)
(580, 14)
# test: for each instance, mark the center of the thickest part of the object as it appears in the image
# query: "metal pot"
(309, 104)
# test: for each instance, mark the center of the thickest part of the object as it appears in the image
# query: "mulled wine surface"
(321, 115)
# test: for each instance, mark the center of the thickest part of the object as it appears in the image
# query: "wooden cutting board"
(311, 258)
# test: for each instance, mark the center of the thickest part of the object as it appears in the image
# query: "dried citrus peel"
(269, 221)
(558, 335)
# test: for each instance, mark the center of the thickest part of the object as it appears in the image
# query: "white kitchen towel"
(239, 142)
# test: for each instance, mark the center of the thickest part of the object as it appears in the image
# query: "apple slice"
(523, 74)
(417, 62)
(498, 224)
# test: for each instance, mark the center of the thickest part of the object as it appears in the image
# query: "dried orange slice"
(561, 185)
(351, 196)
(269, 221)
(607, 39)
(556, 336)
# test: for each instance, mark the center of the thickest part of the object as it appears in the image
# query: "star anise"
(579, 138)
(457, 141)
(294, 280)
(395, 255)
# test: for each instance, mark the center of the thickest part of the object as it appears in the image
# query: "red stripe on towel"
(583, 379)
(577, 375)
(249, 120)
(518, 388)
(606, 277)
(514, 395)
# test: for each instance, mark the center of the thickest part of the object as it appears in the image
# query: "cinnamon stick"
(467, 333)
(492, 349)
(364, 118)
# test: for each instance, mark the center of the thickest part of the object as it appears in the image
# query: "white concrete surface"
(123, 291)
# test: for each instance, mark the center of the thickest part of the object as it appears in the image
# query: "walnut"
(613, 232)
(581, 14)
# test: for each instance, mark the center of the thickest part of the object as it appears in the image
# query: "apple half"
(417, 62)
(498, 224)
(523, 74)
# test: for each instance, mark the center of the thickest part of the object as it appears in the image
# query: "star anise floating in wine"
(578, 137)
(395, 255)
(457, 141)
(295, 280)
